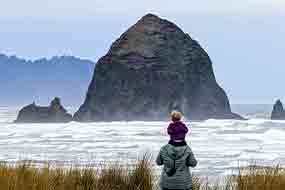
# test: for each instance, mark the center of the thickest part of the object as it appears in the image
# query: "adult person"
(176, 158)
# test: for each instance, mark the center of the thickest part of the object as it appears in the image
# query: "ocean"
(220, 146)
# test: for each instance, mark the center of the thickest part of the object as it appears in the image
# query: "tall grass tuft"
(253, 177)
(260, 178)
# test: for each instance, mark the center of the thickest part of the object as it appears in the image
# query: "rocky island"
(278, 112)
(153, 68)
(55, 113)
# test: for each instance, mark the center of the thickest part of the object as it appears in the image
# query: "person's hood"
(177, 152)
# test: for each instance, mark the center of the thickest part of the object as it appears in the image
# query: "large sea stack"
(278, 112)
(55, 113)
(153, 68)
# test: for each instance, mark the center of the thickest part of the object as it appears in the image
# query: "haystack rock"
(278, 112)
(55, 113)
(153, 68)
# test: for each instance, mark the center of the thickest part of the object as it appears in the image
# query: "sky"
(244, 39)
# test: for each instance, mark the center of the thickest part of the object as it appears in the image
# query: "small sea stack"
(278, 112)
(54, 113)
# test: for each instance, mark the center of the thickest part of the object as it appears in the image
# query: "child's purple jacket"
(177, 130)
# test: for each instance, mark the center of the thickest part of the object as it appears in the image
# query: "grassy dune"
(26, 176)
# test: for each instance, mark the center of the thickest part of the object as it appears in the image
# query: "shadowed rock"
(153, 68)
(55, 113)
(278, 112)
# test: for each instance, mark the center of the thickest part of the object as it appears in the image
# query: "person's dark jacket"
(183, 158)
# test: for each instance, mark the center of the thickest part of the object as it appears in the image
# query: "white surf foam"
(217, 144)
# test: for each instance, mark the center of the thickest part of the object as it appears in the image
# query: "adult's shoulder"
(165, 147)
(189, 149)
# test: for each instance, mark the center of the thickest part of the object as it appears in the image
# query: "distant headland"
(24, 81)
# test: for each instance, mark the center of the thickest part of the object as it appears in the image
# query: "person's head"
(176, 115)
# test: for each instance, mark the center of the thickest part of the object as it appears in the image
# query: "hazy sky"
(83, 8)
(245, 38)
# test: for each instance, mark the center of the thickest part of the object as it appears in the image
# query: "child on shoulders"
(177, 130)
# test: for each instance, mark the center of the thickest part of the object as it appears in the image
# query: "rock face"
(153, 68)
(278, 112)
(55, 113)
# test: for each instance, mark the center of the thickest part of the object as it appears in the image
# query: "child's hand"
(163, 131)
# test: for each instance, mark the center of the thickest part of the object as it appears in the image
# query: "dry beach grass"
(27, 176)
(253, 177)
(258, 178)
